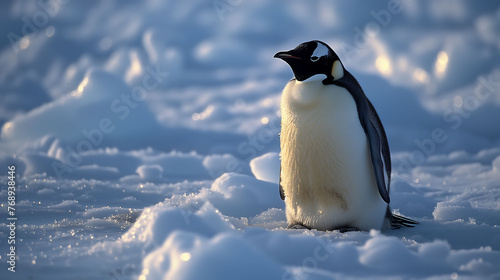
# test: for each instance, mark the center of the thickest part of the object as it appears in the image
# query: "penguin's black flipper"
(379, 151)
(383, 155)
(374, 130)
(378, 162)
(397, 221)
(282, 192)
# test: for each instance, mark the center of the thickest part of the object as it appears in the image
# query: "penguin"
(335, 171)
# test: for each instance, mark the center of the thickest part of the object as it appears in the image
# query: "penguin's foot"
(347, 229)
(297, 226)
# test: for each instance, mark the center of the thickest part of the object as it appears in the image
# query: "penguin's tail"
(396, 221)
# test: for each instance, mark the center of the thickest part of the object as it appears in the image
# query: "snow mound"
(88, 117)
(156, 223)
(266, 167)
(243, 196)
(186, 255)
(202, 244)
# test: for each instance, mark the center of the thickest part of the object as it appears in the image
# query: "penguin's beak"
(286, 55)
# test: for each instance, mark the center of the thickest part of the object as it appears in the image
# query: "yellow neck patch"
(337, 70)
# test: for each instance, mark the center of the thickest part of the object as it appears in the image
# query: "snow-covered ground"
(145, 138)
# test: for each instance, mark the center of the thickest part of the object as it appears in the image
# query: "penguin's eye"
(314, 58)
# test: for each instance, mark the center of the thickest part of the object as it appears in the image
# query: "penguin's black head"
(311, 58)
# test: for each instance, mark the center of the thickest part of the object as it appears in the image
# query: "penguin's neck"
(306, 94)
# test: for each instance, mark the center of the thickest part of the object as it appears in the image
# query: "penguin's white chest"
(326, 170)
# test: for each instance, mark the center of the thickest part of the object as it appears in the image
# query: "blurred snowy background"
(145, 137)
